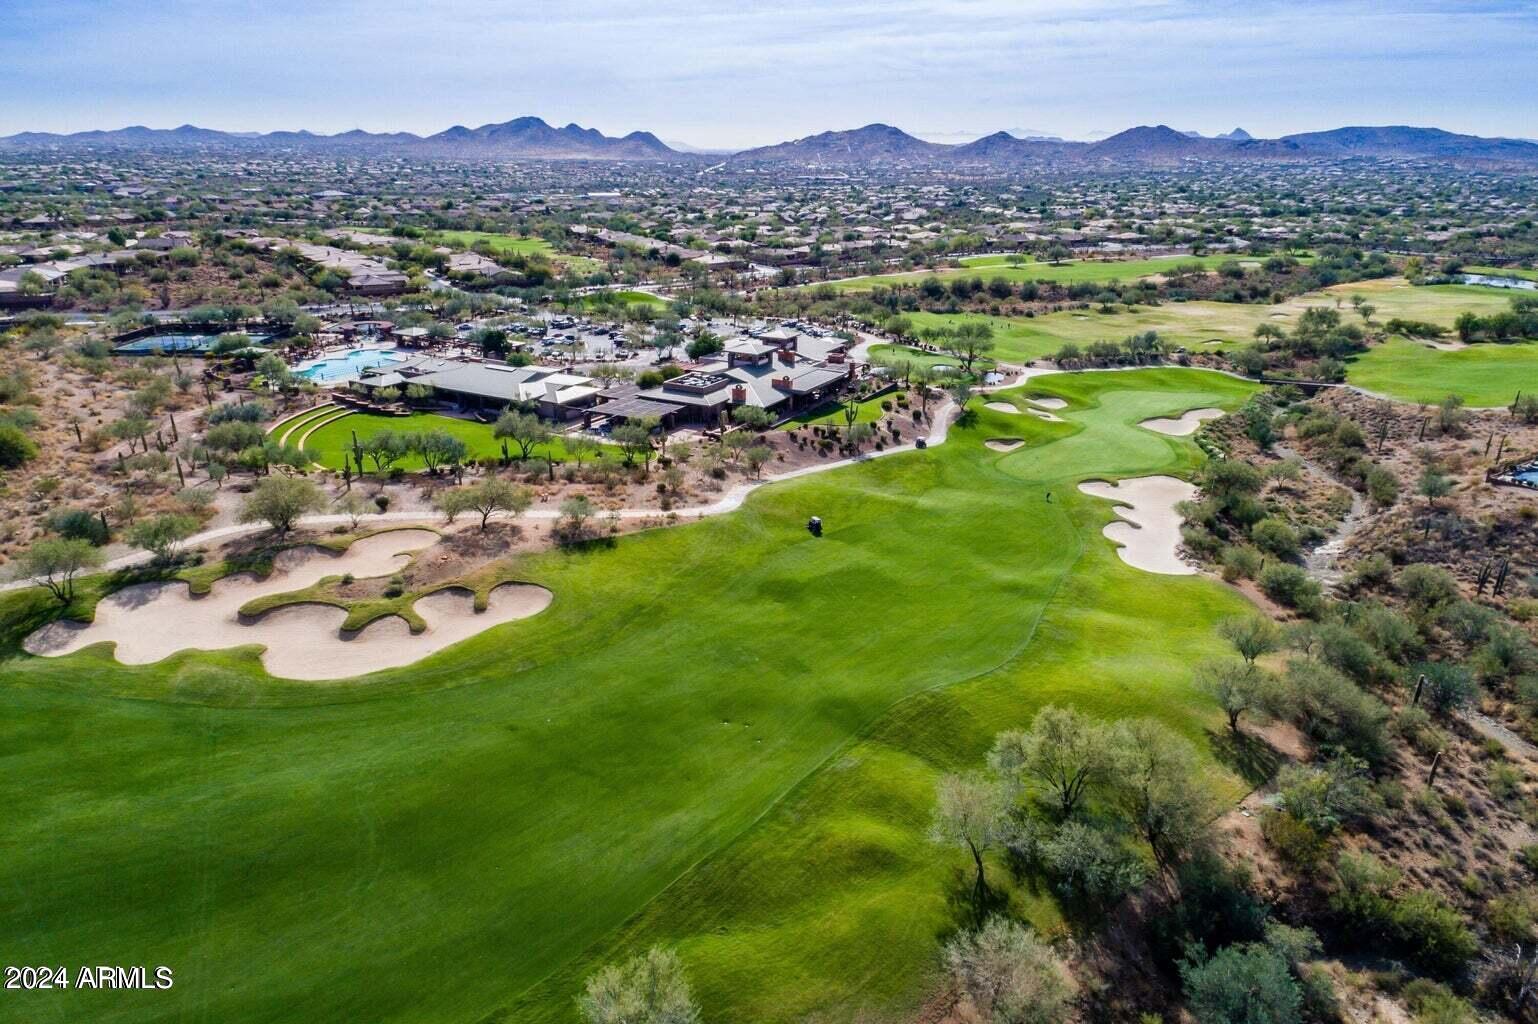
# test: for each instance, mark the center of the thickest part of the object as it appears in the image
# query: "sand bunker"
(1003, 444)
(1003, 407)
(1048, 403)
(1042, 414)
(1148, 538)
(151, 621)
(1183, 425)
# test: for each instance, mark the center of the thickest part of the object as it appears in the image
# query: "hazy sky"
(746, 72)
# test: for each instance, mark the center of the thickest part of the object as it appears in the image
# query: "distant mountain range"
(528, 138)
(1155, 146)
(873, 146)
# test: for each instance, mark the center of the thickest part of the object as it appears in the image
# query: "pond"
(1488, 281)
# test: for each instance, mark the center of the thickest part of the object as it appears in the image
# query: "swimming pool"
(194, 343)
(348, 365)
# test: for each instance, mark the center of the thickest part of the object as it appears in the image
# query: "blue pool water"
(176, 343)
(349, 364)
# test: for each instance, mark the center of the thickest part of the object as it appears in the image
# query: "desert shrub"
(1008, 974)
(245, 412)
(1504, 781)
(1414, 725)
(1426, 587)
(1295, 843)
(1242, 984)
(1275, 537)
(1290, 586)
(1506, 652)
(1390, 632)
(1511, 917)
(1417, 925)
(1434, 1004)
(1469, 622)
(1382, 486)
(79, 524)
(1340, 648)
(16, 448)
(1373, 571)
(1333, 711)
(1448, 687)
(1240, 562)
(1328, 796)
(1090, 864)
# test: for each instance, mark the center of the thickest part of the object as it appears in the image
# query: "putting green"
(722, 736)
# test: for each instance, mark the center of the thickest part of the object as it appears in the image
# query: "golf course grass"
(897, 356)
(1485, 375)
(1214, 326)
(1066, 272)
(722, 737)
(331, 444)
(515, 245)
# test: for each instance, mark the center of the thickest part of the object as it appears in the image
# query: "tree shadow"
(966, 905)
(1250, 757)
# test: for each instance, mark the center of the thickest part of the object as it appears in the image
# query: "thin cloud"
(751, 72)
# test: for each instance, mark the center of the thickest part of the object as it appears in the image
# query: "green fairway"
(1485, 375)
(1067, 272)
(1213, 326)
(331, 445)
(721, 736)
(514, 245)
(1406, 371)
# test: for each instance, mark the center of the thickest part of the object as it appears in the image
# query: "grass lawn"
(515, 245)
(722, 736)
(896, 355)
(869, 412)
(331, 445)
(1485, 375)
(626, 298)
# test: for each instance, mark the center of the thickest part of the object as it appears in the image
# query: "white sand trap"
(1048, 403)
(1003, 407)
(151, 621)
(1183, 425)
(1003, 444)
(1042, 414)
(1149, 536)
